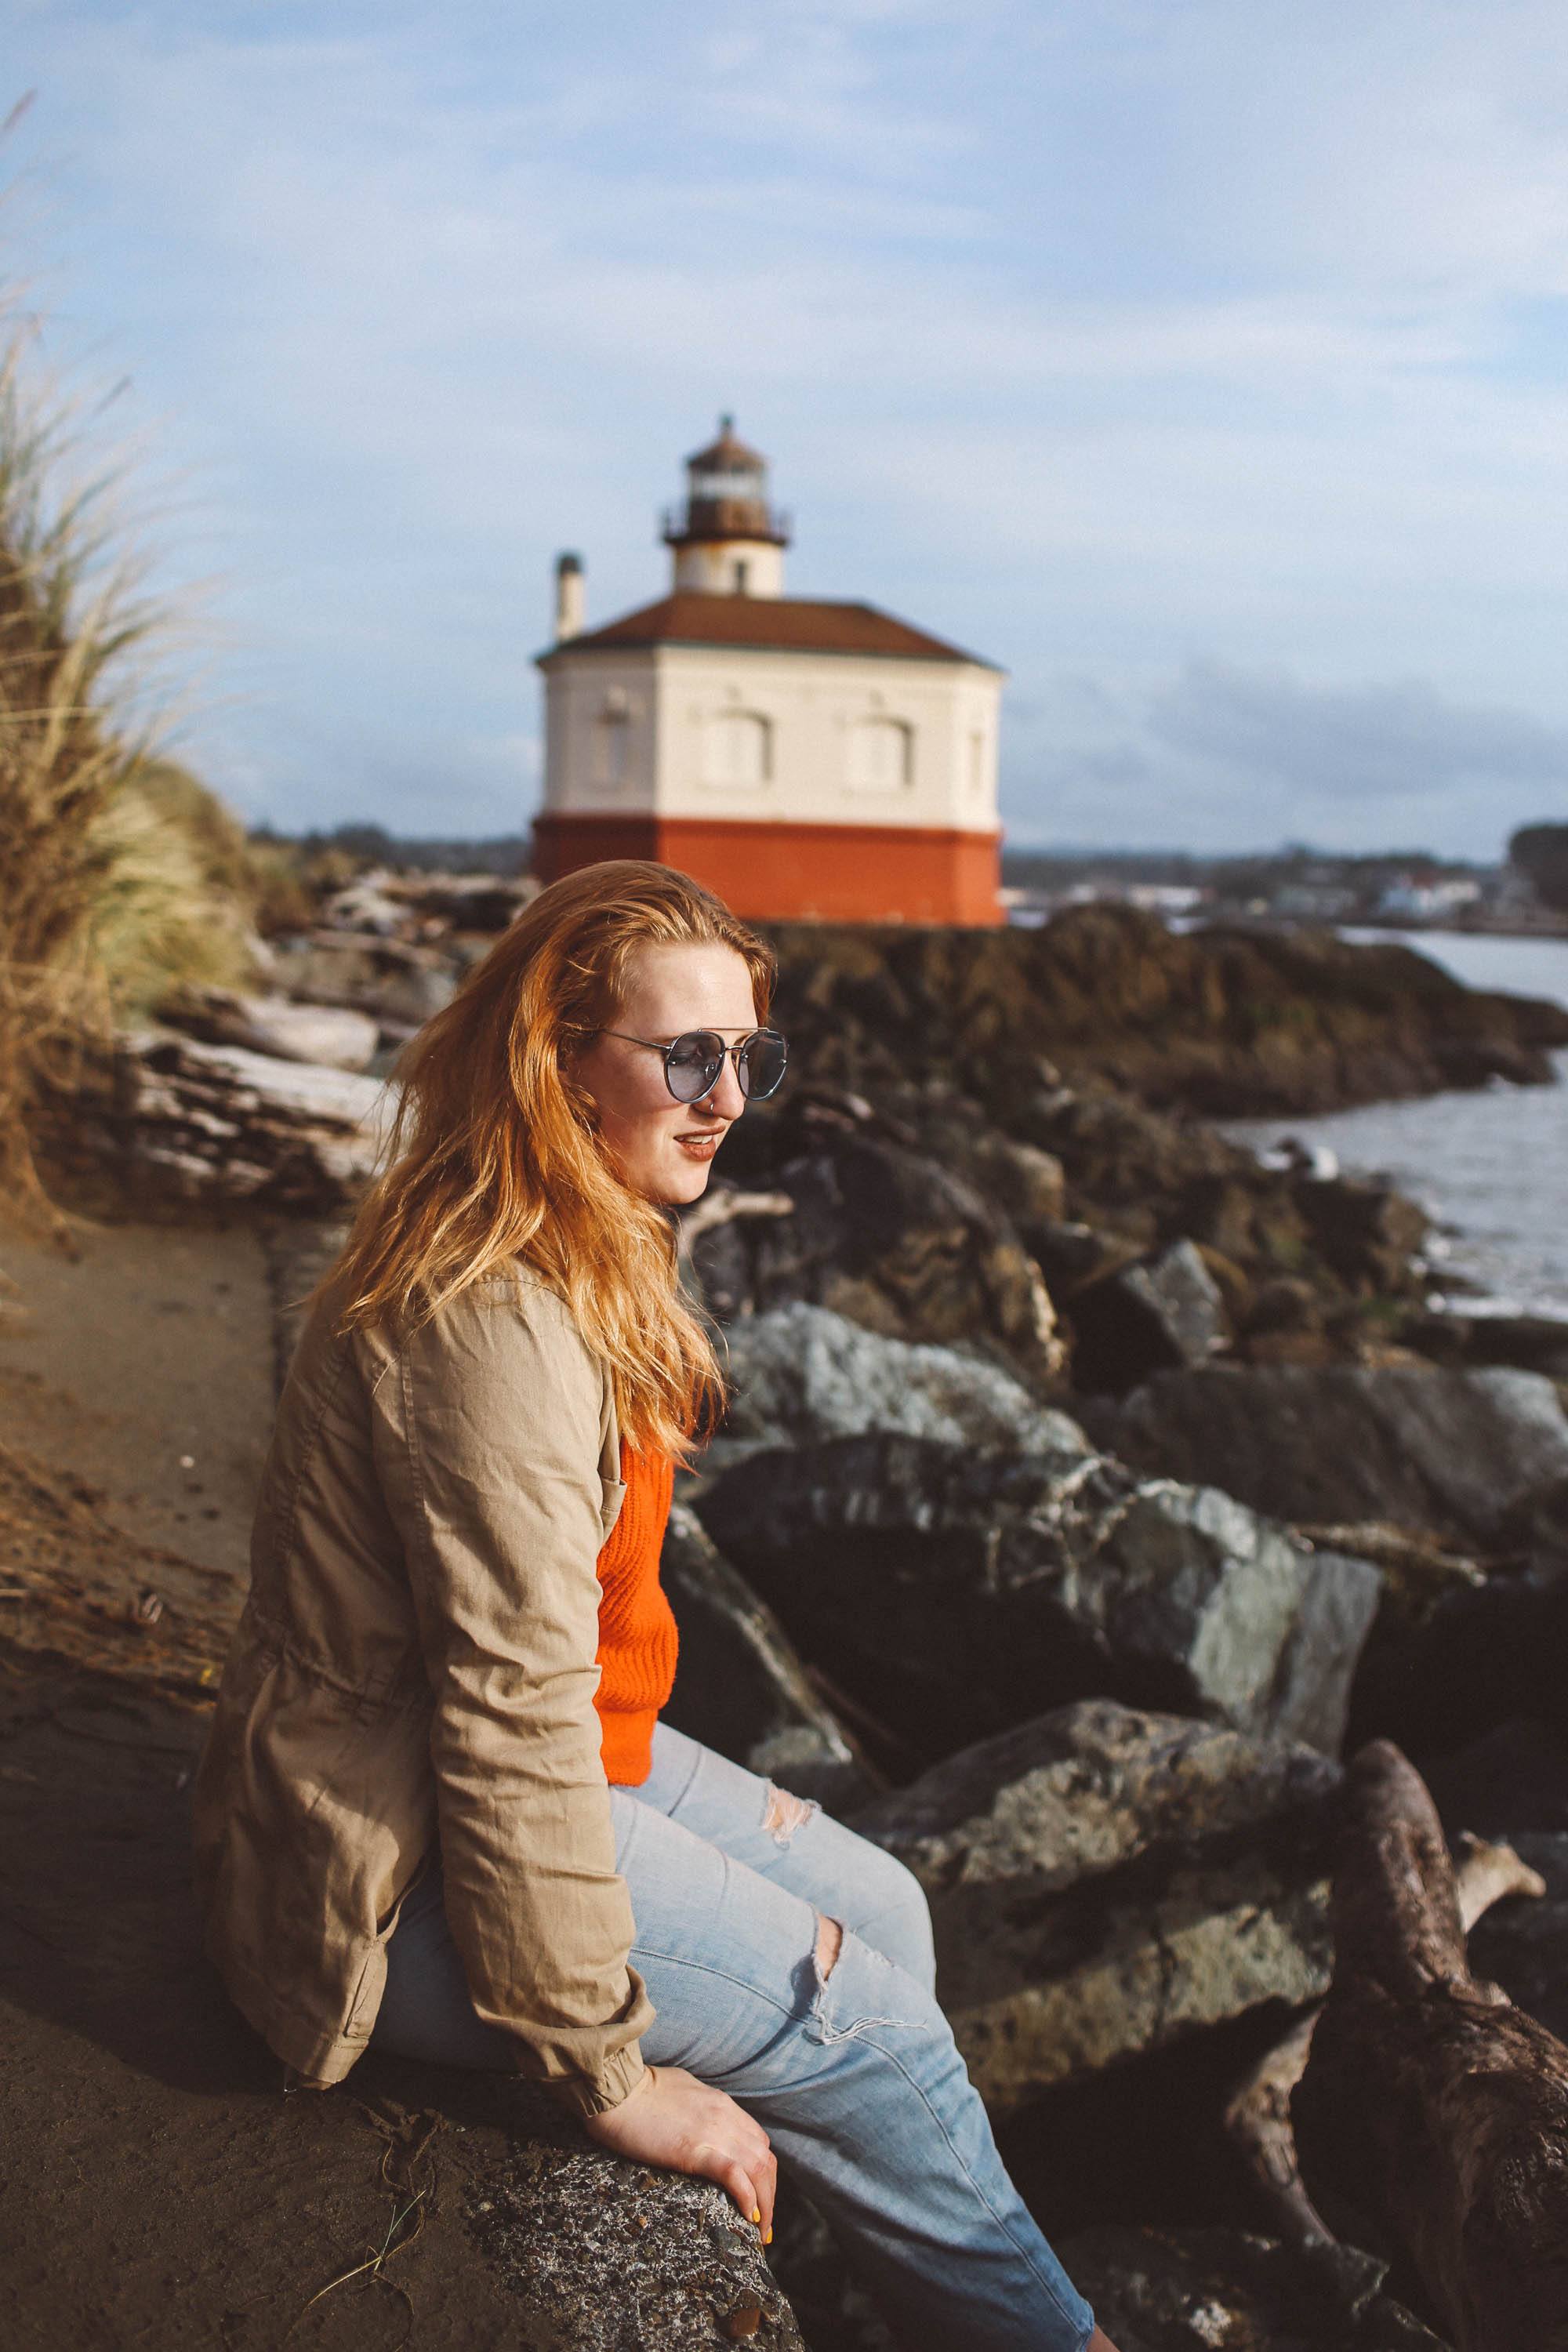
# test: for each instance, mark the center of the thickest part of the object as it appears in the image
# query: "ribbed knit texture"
(637, 1625)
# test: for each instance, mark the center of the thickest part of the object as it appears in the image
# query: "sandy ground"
(157, 2188)
(145, 1365)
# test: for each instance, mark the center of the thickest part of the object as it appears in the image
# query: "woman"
(436, 1809)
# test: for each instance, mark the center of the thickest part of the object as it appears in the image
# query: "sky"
(1204, 362)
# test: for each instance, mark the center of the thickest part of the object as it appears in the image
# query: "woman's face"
(661, 1148)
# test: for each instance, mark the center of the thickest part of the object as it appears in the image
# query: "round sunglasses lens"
(692, 1065)
(763, 1065)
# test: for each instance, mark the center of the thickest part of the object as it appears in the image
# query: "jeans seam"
(703, 1968)
(688, 1784)
(980, 2197)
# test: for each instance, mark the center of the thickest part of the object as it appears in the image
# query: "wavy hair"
(494, 1157)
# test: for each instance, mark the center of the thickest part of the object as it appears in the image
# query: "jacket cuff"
(596, 2094)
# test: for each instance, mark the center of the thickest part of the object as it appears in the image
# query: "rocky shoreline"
(1161, 1486)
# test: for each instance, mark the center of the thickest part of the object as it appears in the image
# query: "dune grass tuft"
(119, 874)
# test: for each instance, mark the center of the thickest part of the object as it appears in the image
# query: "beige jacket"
(414, 1668)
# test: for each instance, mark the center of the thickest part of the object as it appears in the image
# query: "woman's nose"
(724, 1097)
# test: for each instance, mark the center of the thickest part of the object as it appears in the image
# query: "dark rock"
(890, 1239)
(1285, 1304)
(1029, 1184)
(799, 1373)
(1456, 1452)
(740, 1686)
(1536, 1343)
(1068, 1255)
(832, 2310)
(605, 2256)
(1144, 1319)
(1196, 2290)
(1479, 1656)
(1103, 1880)
(954, 1590)
(1365, 1232)
(1227, 1022)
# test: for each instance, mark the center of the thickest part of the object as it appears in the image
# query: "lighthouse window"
(737, 750)
(612, 732)
(732, 482)
(881, 755)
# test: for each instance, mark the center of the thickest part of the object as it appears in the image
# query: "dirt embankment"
(156, 2188)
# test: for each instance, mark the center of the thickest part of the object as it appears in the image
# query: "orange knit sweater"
(637, 1625)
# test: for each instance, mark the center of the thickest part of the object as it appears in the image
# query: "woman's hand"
(674, 2120)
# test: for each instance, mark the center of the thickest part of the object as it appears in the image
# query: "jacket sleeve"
(486, 1424)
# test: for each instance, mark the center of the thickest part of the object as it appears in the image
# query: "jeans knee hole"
(784, 1814)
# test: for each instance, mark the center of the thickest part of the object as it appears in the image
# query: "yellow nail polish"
(769, 2239)
(758, 2214)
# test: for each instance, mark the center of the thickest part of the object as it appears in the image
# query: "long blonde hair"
(493, 1155)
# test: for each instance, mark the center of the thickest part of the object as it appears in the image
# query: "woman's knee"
(887, 1909)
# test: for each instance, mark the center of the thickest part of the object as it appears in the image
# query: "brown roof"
(767, 624)
(728, 450)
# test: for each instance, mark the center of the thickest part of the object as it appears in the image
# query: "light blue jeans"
(855, 2078)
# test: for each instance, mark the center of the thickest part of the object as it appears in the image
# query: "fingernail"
(758, 2214)
(769, 2239)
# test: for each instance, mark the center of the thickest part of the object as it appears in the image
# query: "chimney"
(568, 598)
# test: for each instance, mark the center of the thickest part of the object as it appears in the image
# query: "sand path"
(156, 2187)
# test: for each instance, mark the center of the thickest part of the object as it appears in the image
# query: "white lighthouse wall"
(731, 567)
(784, 738)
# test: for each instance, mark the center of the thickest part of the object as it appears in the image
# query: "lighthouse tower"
(728, 540)
(802, 758)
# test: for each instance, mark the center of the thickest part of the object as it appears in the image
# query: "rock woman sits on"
(438, 1810)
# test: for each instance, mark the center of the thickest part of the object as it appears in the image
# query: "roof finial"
(726, 423)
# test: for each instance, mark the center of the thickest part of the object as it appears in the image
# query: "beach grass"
(119, 874)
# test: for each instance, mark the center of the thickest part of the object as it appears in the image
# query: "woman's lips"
(699, 1147)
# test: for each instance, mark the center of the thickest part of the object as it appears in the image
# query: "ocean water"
(1491, 1165)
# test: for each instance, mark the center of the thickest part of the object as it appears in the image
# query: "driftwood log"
(1257, 2117)
(1430, 2106)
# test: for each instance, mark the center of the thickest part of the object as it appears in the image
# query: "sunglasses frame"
(728, 1053)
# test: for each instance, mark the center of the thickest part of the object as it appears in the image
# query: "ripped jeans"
(854, 2075)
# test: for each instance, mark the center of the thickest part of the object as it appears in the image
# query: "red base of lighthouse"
(827, 873)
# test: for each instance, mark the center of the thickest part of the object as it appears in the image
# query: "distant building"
(1408, 899)
(802, 758)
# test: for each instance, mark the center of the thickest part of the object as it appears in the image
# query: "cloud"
(1354, 742)
(1093, 337)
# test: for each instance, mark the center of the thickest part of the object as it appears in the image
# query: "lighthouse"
(803, 759)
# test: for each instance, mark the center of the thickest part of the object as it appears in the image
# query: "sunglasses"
(693, 1061)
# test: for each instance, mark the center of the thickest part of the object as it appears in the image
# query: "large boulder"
(887, 1236)
(604, 2255)
(1458, 1453)
(1104, 1880)
(1140, 1318)
(952, 1590)
(740, 1686)
(1193, 2290)
(800, 1372)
